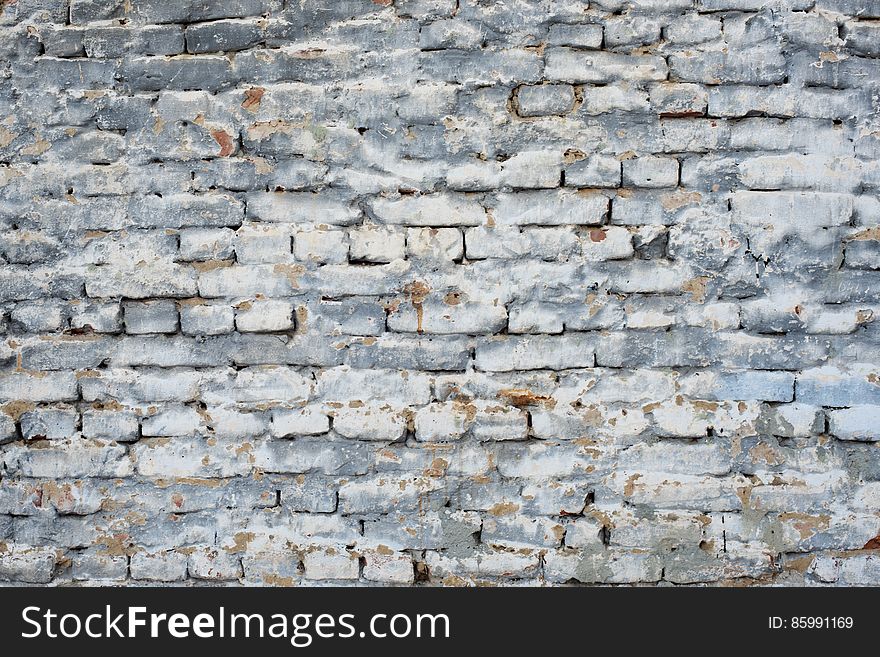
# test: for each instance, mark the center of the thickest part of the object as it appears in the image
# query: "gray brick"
(150, 317)
(545, 100)
(226, 36)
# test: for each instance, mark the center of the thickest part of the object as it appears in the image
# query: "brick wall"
(438, 292)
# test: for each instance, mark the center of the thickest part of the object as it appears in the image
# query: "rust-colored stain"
(504, 509)
(115, 545)
(437, 468)
(573, 155)
(678, 199)
(522, 397)
(872, 233)
(292, 272)
(271, 579)
(697, 287)
(227, 145)
(465, 407)
(873, 544)
(61, 496)
(241, 541)
(418, 292)
(597, 235)
(762, 452)
(15, 409)
(629, 486)
(806, 525)
(252, 98)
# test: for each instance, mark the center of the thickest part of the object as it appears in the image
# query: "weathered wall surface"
(438, 292)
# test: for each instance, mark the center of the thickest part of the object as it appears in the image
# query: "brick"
(150, 317)
(258, 384)
(667, 491)
(574, 66)
(631, 31)
(522, 532)
(181, 421)
(269, 315)
(443, 318)
(539, 352)
(692, 28)
(258, 243)
(347, 317)
(189, 457)
(435, 210)
(344, 384)
(33, 565)
(49, 423)
(834, 386)
(650, 172)
(26, 386)
(321, 246)
(410, 351)
(306, 421)
(121, 426)
(376, 244)
(434, 244)
(96, 316)
(692, 419)
(510, 242)
(789, 208)
(300, 207)
(550, 208)
(317, 455)
(225, 36)
(88, 566)
(206, 319)
(132, 386)
(745, 385)
(184, 210)
(145, 282)
(376, 421)
(330, 564)
(70, 458)
(485, 67)
(856, 423)
(486, 565)
(312, 493)
(213, 564)
(38, 317)
(682, 99)
(593, 171)
(379, 566)
(385, 494)
(760, 65)
(609, 243)
(160, 566)
(101, 42)
(578, 36)
(545, 100)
